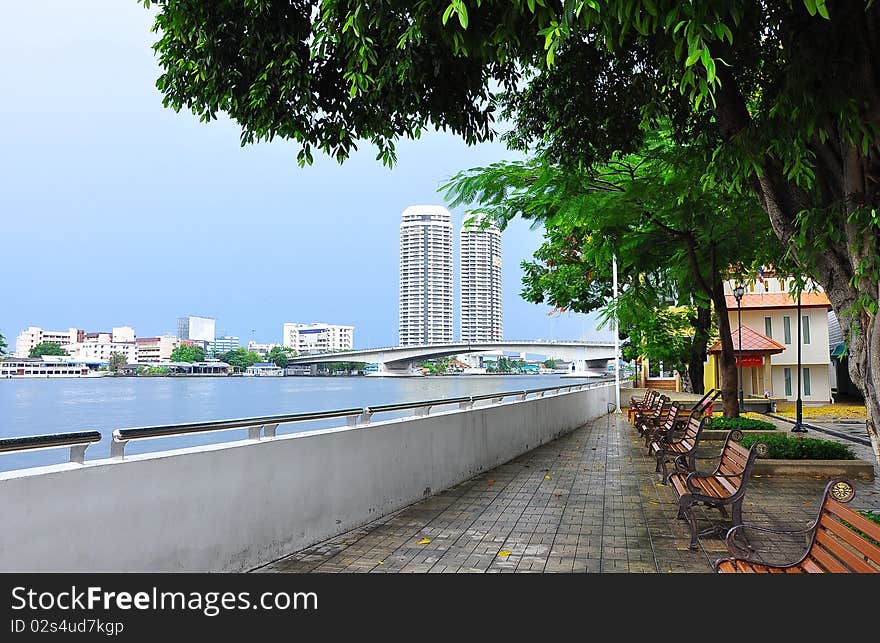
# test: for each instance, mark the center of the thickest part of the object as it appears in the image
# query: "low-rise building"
(222, 344)
(155, 349)
(34, 335)
(770, 320)
(261, 349)
(318, 337)
(100, 346)
(264, 369)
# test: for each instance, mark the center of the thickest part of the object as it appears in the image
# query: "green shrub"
(788, 447)
(873, 516)
(743, 424)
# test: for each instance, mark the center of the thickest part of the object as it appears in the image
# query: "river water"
(33, 407)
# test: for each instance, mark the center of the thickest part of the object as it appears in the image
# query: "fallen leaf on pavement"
(424, 541)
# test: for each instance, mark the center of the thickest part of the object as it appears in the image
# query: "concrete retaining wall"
(235, 506)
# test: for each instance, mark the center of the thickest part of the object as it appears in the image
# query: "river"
(33, 407)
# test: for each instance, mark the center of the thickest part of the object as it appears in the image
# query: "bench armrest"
(739, 551)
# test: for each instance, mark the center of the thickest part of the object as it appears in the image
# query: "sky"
(117, 211)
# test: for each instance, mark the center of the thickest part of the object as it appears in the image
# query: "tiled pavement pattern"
(587, 502)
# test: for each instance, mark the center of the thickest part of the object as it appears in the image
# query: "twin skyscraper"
(426, 274)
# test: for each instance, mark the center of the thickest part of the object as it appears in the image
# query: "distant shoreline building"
(317, 337)
(425, 308)
(223, 344)
(156, 349)
(196, 328)
(261, 349)
(480, 275)
(34, 335)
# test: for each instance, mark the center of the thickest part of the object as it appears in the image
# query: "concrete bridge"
(401, 360)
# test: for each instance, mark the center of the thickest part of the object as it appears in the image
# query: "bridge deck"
(587, 502)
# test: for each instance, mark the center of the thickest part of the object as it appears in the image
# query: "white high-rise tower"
(481, 315)
(425, 309)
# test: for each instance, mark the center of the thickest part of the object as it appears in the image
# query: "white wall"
(234, 506)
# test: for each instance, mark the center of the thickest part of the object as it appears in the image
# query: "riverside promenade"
(586, 502)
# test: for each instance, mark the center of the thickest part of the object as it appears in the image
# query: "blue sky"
(118, 211)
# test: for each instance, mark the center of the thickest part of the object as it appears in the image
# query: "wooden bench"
(664, 425)
(840, 541)
(646, 404)
(703, 407)
(724, 486)
(682, 450)
(650, 418)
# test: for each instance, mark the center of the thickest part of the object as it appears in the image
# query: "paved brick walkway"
(587, 502)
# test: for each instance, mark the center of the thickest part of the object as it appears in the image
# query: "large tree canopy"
(675, 239)
(785, 93)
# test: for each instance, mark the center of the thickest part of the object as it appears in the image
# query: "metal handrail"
(382, 408)
(78, 442)
(267, 424)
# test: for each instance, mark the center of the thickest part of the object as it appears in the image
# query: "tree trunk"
(702, 323)
(848, 180)
(727, 357)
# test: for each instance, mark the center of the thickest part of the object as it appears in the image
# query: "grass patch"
(788, 447)
(741, 423)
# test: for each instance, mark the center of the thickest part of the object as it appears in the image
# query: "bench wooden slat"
(736, 459)
(740, 449)
(854, 518)
(830, 561)
(831, 542)
(860, 544)
(728, 485)
(810, 566)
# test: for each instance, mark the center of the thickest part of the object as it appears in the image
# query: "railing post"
(78, 453)
(117, 446)
(423, 411)
(254, 432)
(523, 395)
(468, 404)
(269, 430)
(366, 416)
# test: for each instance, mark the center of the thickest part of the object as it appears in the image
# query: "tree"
(2, 345)
(117, 361)
(675, 239)
(47, 348)
(280, 355)
(784, 94)
(240, 358)
(550, 363)
(184, 353)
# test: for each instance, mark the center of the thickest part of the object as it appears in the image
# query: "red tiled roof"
(752, 342)
(779, 300)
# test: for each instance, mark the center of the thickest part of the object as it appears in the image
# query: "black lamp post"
(798, 425)
(738, 292)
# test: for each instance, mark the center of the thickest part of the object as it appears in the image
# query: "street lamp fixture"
(738, 293)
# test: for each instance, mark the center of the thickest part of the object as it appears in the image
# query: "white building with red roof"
(770, 342)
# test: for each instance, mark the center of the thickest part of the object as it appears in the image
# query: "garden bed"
(721, 426)
(793, 456)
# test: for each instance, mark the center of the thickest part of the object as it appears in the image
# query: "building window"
(787, 374)
(806, 329)
(786, 329)
(806, 373)
(768, 327)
